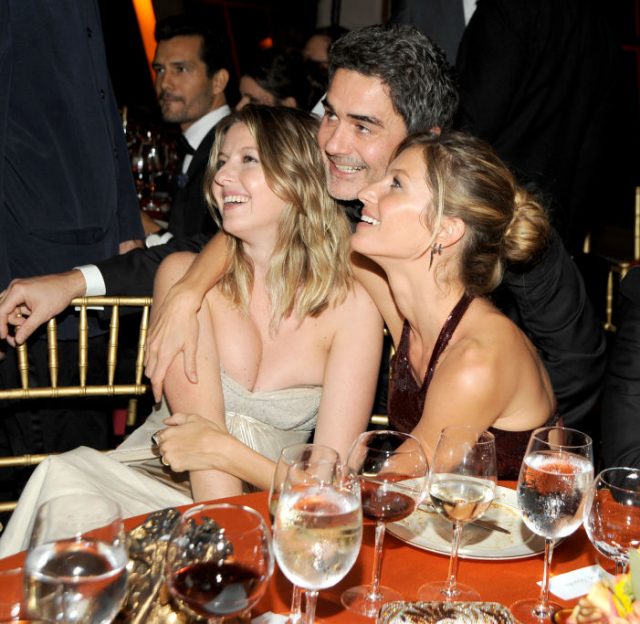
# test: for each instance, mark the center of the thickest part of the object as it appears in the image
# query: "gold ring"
(154, 439)
(164, 462)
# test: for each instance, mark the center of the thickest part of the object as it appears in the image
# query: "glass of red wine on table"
(554, 480)
(393, 473)
(219, 561)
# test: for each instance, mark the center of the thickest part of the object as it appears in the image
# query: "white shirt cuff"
(157, 239)
(95, 282)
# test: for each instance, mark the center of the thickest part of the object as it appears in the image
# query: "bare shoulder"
(488, 345)
(357, 301)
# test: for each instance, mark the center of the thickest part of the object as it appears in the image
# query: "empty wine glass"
(219, 561)
(290, 455)
(462, 486)
(612, 520)
(318, 527)
(75, 570)
(555, 476)
(393, 469)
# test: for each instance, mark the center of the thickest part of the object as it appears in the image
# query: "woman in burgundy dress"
(440, 227)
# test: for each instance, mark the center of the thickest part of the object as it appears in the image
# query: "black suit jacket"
(189, 211)
(66, 191)
(537, 81)
(620, 411)
(549, 302)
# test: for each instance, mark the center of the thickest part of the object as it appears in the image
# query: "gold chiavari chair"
(108, 389)
(617, 268)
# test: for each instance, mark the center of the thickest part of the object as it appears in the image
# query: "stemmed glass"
(393, 473)
(612, 520)
(308, 453)
(462, 486)
(555, 476)
(318, 527)
(75, 570)
(219, 561)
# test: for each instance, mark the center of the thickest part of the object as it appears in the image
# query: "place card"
(575, 583)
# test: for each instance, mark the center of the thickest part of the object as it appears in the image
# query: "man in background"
(66, 191)
(190, 81)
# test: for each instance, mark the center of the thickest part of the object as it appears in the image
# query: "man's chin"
(342, 190)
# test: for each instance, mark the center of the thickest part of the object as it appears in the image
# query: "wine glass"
(612, 520)
(462, 486)
(219, 561)
(555, 476)
(75, 569)
(318, 527)
(393, 472)
(289, 455)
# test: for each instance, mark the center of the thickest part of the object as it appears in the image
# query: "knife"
(481, 524)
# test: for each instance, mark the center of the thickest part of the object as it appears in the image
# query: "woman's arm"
(189, 441)
(374, 280)
(351, 373)
(174, 327)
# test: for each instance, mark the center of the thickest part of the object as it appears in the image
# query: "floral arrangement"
(612, 602)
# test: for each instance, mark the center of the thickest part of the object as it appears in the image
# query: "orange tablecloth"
(406, 568)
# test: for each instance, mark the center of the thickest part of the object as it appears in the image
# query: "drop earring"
(435, 250)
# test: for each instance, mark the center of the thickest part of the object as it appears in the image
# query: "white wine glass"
(75, 569)
(555, 476)
(393, 471)
(461, 487)
(219, 561)
(612, 519)
(290, 455)
(318, 527)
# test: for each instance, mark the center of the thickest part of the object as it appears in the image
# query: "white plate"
(430, 531)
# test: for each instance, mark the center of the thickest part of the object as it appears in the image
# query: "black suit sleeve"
(620, 417)
(557, 315)
(132, 274)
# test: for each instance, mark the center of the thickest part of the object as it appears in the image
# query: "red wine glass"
(219, 561)
(393, 473)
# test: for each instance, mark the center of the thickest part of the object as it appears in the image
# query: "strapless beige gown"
(132, 474)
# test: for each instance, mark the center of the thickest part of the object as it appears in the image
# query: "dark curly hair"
(421, 82)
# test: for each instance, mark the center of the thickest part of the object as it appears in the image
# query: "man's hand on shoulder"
(28, 303)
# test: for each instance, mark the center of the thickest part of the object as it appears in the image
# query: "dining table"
(405, 568)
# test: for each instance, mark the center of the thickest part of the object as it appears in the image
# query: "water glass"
(75, 569)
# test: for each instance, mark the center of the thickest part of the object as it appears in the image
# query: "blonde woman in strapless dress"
(289, 344)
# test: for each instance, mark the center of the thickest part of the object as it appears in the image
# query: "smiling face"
(185, 92)
(359, 131)
(394, 216)
(247, 205)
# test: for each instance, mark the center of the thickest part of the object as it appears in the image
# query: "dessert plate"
(430, 531)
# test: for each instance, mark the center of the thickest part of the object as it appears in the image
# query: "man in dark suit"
(190, 81)
(66, 193)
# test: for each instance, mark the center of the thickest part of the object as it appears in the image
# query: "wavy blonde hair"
(309, 268)
(503, 222)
